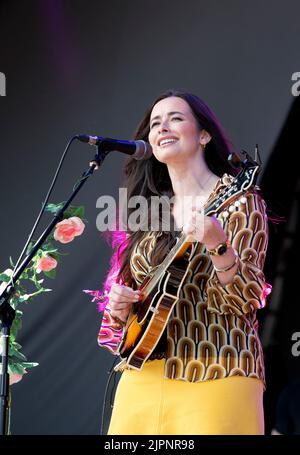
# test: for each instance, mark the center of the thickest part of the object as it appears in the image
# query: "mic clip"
(99, 157)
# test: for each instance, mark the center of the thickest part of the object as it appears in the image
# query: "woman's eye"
(157, 123)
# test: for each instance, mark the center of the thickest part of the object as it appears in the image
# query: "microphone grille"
(143, 150)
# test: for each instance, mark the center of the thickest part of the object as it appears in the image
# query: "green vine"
(31, 282)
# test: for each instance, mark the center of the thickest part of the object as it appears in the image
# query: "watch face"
(222, 249)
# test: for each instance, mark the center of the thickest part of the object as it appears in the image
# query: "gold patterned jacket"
(212, 332)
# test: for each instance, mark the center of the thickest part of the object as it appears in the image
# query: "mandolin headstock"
(233, 195)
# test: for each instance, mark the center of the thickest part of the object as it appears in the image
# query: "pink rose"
(45, 264)
(66, 230)
(14, 378)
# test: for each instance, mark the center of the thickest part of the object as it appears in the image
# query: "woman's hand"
(204, 229)
(208, 230)
(121, 298)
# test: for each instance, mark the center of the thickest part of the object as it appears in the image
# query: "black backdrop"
(93, 67)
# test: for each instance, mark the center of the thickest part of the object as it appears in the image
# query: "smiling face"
(174, 132)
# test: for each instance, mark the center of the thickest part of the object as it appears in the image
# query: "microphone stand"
(7, 312)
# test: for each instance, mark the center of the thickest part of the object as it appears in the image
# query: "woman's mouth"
(167, 142)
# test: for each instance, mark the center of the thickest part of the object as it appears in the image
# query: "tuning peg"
(237, 203)
(243, 200)
(225, 214)
(231, 208)
(257, 155)
(235, 160)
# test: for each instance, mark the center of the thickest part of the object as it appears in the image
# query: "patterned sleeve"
(140, 263)
(247, 229)
(111, 331)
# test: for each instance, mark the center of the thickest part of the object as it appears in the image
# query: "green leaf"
(20, 367)
(74, 211)
(69, 212)
(51, 274)
(4, 277)
(49, 248)
(14, 301)
(29, 364)
(30, 246)
(28, 297)
(15, 353)
(11, 262)
(79, 211)
(54, 208)
(16, 345)
(60, 254)
(24, 298)
(55, 255)
(24, 275)
(38, 283)
(16, 368)
(16, 326)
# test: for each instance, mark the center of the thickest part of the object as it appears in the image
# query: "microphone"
(140, 150)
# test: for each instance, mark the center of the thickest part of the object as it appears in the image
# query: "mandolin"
(161, 287)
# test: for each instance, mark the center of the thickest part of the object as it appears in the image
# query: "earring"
(203, 146)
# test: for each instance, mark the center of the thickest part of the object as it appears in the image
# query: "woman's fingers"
(119, 305)
(123, 315)
(194, 227)
(120, 310)
(124, 292)
(121, 298)
(117, 298)
(188, 228)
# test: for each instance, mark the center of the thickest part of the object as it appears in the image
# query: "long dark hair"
(151, 178)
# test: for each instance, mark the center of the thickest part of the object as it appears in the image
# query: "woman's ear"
(205, 137)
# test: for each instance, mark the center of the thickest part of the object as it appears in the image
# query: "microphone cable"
(112, 373)
(43, 206)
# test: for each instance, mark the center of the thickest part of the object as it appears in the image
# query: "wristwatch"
(220, 249)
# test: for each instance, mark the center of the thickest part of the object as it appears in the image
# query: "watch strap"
(220, 249)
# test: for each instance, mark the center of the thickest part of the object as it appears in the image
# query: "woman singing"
(206, 374)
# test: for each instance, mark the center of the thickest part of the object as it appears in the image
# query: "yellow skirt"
(148, 403)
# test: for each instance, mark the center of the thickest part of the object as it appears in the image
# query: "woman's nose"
(164, 126)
